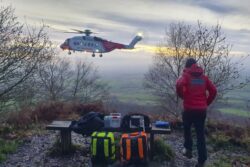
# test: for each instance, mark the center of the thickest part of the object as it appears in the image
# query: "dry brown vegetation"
(225, 134)
(47, 112)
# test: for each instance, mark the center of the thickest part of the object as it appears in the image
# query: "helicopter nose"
(64, 46)
(61, 46)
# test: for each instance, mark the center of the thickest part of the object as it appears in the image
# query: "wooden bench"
(65, 131)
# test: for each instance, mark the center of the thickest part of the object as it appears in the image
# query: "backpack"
(134, 148)
(87, 124)
(102, 147)
(127, 120)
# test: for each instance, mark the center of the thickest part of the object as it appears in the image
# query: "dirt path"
(34, 153)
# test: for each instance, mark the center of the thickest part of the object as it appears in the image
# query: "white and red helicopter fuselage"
(95, 44)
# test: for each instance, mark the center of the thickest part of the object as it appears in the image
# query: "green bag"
(103, 147)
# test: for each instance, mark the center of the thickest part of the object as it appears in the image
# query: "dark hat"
(190, 62)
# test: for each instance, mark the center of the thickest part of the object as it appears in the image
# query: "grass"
(130, 89)
(233, 139)
(235, 111)
(246, 143)
(223, 136)
(219, 141)
(162, 151)
(224, 161)
(221, 162)
(137, 97)
(7, 147)
(233, 101)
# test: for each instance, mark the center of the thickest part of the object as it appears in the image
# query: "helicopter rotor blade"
(71, 32)
(78, 31)
(86, 31)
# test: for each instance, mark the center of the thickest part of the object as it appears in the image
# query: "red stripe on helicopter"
(109, 46)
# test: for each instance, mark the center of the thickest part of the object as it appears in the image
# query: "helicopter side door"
(77, 44)
(87, 44)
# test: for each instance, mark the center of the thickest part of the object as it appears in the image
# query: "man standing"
(197, 92)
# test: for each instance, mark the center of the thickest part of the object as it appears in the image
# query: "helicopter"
(93, 44)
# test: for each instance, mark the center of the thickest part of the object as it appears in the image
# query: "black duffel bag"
(90, 122)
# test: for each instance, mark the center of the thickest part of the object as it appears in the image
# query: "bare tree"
(208, 46)
(60, 79)
(23, 95)
(22, 49)
(53, 79)
(213, 54)
(83, 71)
(86, 84)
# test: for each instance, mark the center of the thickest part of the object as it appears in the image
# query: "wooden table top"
(59, 125)
(65, 125)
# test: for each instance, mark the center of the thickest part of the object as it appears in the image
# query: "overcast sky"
(119, 20)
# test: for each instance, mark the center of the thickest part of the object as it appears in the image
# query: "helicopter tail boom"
(133, 42)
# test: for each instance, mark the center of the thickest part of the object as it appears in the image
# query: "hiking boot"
(200, 165)
(187, 153)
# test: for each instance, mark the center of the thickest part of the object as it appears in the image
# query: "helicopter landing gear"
(69, 52)
(100, 55)
(93, 55)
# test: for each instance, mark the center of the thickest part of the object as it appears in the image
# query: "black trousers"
(197, 118)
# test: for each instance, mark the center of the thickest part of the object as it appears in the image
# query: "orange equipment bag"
(133, 147)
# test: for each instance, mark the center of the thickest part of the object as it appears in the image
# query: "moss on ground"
(7, 147)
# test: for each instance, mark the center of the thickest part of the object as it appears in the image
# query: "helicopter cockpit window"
(76, 43)
(66, 41)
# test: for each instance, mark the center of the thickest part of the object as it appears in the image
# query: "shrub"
(6, 148)
(219, 140)
(20, 119)
(5, 129)
(225, 161)
(222, 162)
(227, 136)
(82, 109)
(162, 151)
(62, 110)
(246, 143)
(47, 112)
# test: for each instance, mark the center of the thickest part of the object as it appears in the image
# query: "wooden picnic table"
(65, 131)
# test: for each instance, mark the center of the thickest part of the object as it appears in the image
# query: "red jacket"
(196, 90)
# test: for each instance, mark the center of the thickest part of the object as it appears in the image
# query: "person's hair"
(190, 62)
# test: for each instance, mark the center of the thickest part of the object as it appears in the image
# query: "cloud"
(119, 20)
(245, 31)
(217, 7)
